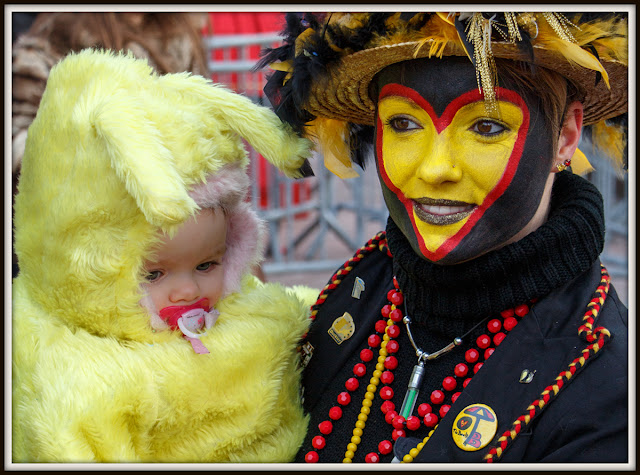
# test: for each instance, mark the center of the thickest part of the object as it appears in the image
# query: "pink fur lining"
(245, 245)
(225, 188)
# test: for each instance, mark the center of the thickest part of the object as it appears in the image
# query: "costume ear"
(267, 134)
(140, 159)
(259, 125)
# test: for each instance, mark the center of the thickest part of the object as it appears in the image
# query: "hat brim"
(344, 93)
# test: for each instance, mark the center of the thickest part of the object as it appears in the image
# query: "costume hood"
(116, 153)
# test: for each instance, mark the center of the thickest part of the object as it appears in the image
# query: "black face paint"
(446, 92)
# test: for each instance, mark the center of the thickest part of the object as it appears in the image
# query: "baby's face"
(188, 268)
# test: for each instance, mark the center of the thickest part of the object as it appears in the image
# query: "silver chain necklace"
(417, 375)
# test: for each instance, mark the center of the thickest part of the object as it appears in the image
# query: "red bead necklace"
(430, 413)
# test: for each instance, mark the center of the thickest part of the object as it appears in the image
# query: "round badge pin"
(474, 427)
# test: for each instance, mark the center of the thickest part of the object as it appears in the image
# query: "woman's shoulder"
(359, 277)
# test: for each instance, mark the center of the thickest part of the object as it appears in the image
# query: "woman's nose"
(439, 166)
(185, 289)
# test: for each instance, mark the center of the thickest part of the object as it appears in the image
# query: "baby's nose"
(185, 289)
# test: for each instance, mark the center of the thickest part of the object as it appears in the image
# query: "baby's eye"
(402, 124)
(153, 275)
(488, 127)
(205, 266)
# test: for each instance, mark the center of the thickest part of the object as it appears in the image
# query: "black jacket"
(585, 422)
(583, 414)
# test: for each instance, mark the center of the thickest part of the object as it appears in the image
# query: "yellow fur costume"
(115, 154)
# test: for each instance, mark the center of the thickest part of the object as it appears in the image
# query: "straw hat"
(324, 69)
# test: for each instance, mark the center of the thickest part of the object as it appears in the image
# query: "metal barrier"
(303, 229)
(615, 192)
(303, 236)
(237, 72)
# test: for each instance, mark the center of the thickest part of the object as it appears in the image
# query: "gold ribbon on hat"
(555, 33)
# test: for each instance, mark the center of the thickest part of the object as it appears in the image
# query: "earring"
(563, 166)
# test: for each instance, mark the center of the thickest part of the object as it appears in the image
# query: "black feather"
(284, 102)
(422, 21)
(294, 25)
(526, 49)
(595, 53)
(287, 99)
(356, 40)
(407, 16)
(463, 36)
(361, 139)
(584, 17)
(306, 169)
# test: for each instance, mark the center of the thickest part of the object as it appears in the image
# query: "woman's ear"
(569, 135)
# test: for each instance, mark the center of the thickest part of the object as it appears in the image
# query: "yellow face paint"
(446, 170)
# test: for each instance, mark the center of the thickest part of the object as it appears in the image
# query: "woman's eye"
(488, 127)
(153, 276)
(402, 124)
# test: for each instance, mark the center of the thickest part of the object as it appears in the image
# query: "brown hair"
(113, 30)
(549, 88)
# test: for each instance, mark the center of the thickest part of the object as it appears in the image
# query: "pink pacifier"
(190, 320)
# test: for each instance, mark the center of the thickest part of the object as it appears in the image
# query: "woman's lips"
(441, 212)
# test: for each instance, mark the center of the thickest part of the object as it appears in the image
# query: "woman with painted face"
(480, 326)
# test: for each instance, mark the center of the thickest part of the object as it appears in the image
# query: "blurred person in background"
(170, 41)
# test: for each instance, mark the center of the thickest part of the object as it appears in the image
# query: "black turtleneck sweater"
(450, 298)
(444, 302)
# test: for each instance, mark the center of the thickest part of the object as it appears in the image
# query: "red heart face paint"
(447, 165)
(447, 170)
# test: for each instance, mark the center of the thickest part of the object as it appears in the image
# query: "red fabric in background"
(237, 23)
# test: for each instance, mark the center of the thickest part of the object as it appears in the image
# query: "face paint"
(447, 167)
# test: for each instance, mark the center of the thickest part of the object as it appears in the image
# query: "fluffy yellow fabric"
(110, 161)
(84, 398)
(109, 158)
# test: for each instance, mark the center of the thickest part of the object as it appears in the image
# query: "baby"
(139, 333)
(185, 279)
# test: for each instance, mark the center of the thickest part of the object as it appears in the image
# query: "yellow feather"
(350, 21)
(394, 22)
(286, 66)
(580, 163)
(437, 47)
(573, 53)
(439, 32)
(446, 27)
(330, 135)
(610, 38)
(446, 16)
(301, 39)
(609, 140)
(613, 48)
